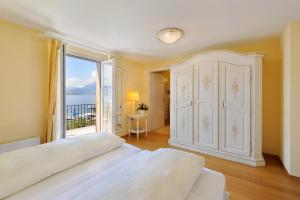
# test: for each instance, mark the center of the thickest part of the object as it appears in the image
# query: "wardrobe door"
(182, 96)
(235, 112)
(206, 104)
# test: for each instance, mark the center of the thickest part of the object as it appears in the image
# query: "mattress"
(210, 185)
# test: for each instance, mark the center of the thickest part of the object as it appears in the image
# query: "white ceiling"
(129, 27)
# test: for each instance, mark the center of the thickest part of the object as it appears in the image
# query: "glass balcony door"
(108, 96)
(89, 95)
(81, 77)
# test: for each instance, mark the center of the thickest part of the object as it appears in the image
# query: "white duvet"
(24, 167)
(165, 174)
(160, 175)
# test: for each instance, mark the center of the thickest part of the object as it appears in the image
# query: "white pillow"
(24, 167)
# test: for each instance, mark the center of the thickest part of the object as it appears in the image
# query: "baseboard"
(250, 161)
(121, 133)
(297, 178)
(19, 144)
(226, 196)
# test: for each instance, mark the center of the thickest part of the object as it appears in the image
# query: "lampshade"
(134, 96)
(170, 35)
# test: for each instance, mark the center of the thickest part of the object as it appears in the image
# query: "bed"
(210, 185)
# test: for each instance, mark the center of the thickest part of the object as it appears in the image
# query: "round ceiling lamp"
(170, 35)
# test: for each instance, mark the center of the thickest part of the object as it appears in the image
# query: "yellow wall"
(290, 139)
(133, 81)
(286, 104)
(23, 82)
(23, 79)
(295, 71)
(271, 85)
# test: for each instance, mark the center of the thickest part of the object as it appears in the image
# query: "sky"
(80, 72)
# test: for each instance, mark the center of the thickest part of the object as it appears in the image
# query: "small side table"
(138, 129)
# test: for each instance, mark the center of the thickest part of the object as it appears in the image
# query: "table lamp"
(134, 96)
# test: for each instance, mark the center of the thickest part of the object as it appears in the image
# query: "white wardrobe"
(216, 105)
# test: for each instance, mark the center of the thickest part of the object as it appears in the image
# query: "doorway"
(80, 95)
(88, 95)
(159, 100)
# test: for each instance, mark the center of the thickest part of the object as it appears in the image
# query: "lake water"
(80, 99)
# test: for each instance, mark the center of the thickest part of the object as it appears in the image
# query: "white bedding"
(72, 177)
(209, 186)
(21, 168)
(160, 175)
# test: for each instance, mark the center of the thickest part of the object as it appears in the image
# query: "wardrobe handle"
(191, 103)
(224, 104)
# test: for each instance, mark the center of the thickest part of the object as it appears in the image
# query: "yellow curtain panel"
(49, 134)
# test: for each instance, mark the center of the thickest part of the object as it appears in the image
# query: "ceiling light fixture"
(170, 35)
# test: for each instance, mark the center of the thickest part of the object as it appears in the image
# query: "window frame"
(66, 52)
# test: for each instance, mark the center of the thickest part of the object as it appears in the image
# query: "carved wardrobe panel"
(216, 105)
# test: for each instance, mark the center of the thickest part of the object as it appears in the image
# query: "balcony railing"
(78, 116)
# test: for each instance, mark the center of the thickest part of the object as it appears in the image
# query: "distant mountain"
(86, 90)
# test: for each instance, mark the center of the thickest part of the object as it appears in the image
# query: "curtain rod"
(70, 41)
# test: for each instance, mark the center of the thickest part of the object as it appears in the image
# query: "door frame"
(148, 76)
(122, 131)
(62, 84)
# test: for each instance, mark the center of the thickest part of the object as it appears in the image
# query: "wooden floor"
(243, 182)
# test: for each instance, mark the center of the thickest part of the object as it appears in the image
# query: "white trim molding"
(79, 43)
(249, 161)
